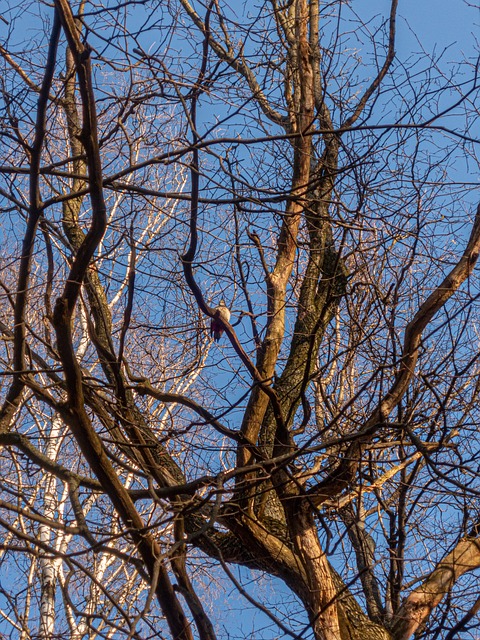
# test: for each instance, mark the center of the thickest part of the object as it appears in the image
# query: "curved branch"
(262, 381)
(21, 442)
(35, 209)
(415, 328)
(237, 62)
(382, 73)
(74, 412)
(146, 389)
(420, 603)
(341, 477)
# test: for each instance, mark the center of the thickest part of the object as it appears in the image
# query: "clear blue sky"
(435, 23)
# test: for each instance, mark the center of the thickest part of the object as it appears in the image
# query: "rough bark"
(419, 604)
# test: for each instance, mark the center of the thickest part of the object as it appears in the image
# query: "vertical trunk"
(302, 114)
(321, 588)
(48, 565)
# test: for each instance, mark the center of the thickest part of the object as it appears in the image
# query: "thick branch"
(341, 477)
(302, 121)
(74, 412)
(35, 209)
(420, 603)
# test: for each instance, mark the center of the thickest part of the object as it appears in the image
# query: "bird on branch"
(222, 314)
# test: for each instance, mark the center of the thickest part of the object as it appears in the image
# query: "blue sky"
(431, 25)
(437, 24)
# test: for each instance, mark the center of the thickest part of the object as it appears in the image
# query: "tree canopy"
(314, 467)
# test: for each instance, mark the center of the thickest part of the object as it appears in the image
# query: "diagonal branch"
(74, 412)
(341, 477)
(35, 209)
(382, 73)
(235, 60)
(420, 603)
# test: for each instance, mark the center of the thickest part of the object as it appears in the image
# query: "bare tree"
(159, 158)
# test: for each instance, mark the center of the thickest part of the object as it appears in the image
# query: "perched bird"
(216, 327)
